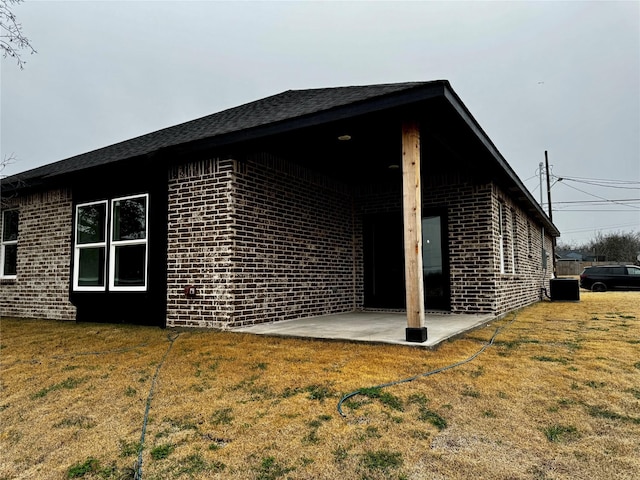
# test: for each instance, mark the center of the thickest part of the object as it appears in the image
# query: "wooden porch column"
(412, 220)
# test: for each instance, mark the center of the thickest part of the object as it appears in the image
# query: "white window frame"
(78, 247)
(514, 232)
(4, 243)
(113, 244)
(501, 235)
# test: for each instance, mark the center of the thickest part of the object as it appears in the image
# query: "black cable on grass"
(138, 465)
(427, 374)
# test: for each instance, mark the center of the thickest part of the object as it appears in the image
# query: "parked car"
(610, 277)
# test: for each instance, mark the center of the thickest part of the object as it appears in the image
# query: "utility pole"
(553, 239)
(546, 161)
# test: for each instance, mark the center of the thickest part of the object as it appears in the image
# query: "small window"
(633, 271)
(91, 245)
(128, 251)
(9, 244)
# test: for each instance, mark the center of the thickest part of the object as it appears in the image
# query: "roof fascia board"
(334, 114)
(471, 122)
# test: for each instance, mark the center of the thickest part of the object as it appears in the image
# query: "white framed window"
(128, 247)
(9, 245)
(90, 247)
(111, 245)
(501, 235)
(514, 238)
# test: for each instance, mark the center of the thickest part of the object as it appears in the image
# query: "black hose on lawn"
(138, 465)
(432, 372)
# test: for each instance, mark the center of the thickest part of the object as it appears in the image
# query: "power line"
(603, 180)
(606, 185)
(602, 198)
(599, 201)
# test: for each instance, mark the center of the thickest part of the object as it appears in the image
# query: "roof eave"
(477, 130)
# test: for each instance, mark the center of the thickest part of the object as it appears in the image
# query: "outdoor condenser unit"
(564, 289)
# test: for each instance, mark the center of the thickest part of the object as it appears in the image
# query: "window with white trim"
(111, 245)
(9, 245)
(501, 235)
(514, 238)
(128, 249)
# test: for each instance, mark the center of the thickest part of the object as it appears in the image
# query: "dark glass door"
(383, 261)
(435, 263)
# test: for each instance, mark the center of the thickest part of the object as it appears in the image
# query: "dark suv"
(610, 277)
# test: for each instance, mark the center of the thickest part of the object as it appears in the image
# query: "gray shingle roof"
(289, 105)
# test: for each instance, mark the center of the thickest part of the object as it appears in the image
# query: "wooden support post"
(412, 219)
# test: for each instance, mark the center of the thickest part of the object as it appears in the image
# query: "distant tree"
(616, 247)
(12, 41)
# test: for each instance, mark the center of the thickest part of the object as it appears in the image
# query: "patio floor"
(382, 327)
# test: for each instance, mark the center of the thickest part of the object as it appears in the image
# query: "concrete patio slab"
(382, 327)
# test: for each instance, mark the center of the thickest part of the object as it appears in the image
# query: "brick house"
(301, 204)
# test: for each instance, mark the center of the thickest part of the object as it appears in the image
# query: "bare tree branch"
(12, 41)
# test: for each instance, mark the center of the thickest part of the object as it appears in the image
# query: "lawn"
(556, 396)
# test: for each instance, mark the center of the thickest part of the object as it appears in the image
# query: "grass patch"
(594, 384)
(560, 433)
(78, 421)
(381, 460)
(222, 416)
(470, 392)
(319, 392)
(68, 384)
(634, 391)
(545, 358)
(128, 449)
(269, 469)
(383, 397)
(312, 437)
(607, 414)
(91, 467)
(161, 452)
(433, 418)
(194, 464)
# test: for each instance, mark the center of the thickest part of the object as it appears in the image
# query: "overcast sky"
(557, 76)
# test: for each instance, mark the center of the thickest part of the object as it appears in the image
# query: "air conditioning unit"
(564, 289)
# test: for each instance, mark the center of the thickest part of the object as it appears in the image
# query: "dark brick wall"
(477, 284)
(200, 243)
(263, 240)
(41, 288)
(294, 242)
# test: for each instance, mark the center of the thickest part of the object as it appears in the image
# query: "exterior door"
(435, 263)
(383, 261)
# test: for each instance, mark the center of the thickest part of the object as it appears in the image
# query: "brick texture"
(263, 239)
(41, 287)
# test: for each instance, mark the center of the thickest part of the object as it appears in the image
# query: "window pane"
(10, 226)
(10, 259)
(129, 219)
(91, 220)
(91, 267)
(130, 266)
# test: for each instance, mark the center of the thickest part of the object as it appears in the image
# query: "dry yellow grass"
(556, 397)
